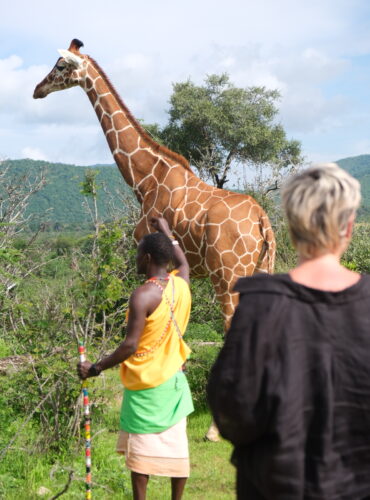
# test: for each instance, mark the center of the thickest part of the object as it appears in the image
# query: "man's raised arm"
(181, 264)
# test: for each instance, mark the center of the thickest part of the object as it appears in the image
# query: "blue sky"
(316, 53)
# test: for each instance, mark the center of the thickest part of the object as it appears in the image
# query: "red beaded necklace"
(166, 278)
(155, 280)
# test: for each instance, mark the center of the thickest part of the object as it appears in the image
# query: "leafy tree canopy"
(218, 124)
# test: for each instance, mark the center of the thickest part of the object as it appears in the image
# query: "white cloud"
(361, 147)
(136, 61)
(307, 110)
(33, 154)
(299, 76)
(66, 143)
(146, 91)
(17, 84)
(308, 67)
(301, 48)
(228, 62)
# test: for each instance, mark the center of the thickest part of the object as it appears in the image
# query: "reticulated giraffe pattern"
(225, 235)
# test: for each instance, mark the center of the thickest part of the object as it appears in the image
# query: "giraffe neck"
(140, 159)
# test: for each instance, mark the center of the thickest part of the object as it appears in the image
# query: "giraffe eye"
(61, 68)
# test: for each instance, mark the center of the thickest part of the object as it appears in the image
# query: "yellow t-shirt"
(161, 352)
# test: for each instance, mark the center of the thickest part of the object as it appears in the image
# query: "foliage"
(15, 195)
(70, 286)
(154, 130)
(59, 207)
(25, 472)
(359, 167)
(197, 371)
(89, 186)
(205, 308)
(60, 198)
(217, 124)
(357, 257)
(17, 189)
(71, 292)
(202, 332)
(286, 255)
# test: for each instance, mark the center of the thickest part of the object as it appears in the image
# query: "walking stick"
(81, 350)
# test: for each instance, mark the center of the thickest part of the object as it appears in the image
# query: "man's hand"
(83, 370)
(179, 259)
(161, 225)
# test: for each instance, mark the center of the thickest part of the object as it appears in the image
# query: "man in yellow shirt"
(157, 398)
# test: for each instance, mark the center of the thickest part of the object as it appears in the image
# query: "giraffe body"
(225, 235)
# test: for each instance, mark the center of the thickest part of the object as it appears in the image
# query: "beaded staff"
(81, 350)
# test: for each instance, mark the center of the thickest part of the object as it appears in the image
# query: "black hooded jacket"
(291, 390)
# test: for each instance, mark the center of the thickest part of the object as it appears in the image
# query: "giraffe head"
(67, 72)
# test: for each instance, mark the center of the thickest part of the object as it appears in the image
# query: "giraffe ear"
(70, 57)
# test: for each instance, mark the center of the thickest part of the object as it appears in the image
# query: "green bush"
(286, 255)
(205, 307)
(198, 368)
(4, 348)
(202, 332)
(63, 245)
(357, 257)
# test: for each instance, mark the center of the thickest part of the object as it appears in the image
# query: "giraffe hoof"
(212, 435)
(212, 439)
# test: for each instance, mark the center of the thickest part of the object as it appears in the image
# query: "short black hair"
(159, 247)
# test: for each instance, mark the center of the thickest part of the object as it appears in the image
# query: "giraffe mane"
(156, 146)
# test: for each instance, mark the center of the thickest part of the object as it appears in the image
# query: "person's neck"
(155, 271)
(324, 272)
(326, 260)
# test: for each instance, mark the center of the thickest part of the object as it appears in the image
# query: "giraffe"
(224, 234)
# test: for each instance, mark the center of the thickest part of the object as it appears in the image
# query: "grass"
(25, 471)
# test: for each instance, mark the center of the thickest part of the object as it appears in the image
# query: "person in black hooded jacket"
(291, 386)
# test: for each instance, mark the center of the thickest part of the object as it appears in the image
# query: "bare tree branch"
(66, 487)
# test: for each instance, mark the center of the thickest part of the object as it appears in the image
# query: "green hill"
(63, 202)
(359, 167)
(61, 197)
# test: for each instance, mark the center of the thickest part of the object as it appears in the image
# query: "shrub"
(286, 255)
(198, 368)
(205, 307)
(203, 332)
(357, 257)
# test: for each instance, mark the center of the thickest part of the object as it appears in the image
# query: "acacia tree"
(217, 125)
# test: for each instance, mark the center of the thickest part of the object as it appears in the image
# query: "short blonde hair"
(318, 203)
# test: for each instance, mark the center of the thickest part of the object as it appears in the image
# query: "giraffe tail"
(266, 259)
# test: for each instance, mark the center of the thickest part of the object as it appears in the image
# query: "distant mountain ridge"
(62, 198)
(359, 167)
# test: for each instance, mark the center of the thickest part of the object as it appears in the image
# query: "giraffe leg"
(228, 303)
(212, 434)
(228, 300)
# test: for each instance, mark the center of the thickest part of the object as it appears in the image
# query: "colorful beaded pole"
(81, 350)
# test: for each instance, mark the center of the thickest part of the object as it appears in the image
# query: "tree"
(15, 194)
(217, 125)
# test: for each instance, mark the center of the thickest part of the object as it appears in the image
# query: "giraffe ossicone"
(70, 57)
(224, 234)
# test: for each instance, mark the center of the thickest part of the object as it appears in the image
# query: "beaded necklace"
(155, 280)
